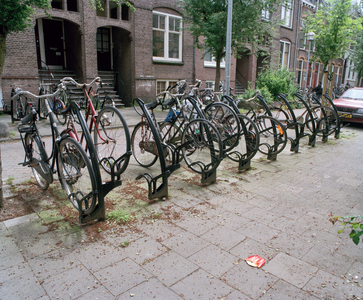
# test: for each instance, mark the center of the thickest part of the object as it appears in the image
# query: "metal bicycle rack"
(158, 191)
(243, 164)
(299, 127)
(340, 120)
(104, 188)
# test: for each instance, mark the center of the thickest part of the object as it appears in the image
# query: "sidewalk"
(193, 245)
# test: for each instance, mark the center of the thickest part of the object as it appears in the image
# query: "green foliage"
(98, 3)
(334, 26)
(119, 216)
(15, 15)
(208, 19)
(356, 55)
(354, 223)
(250, 92)
(276, 81)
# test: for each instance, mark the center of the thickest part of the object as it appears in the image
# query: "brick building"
(144, 50)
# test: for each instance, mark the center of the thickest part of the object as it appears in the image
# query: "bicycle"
(111, 136)
(22, 108)
(95, 96)
(79, 177)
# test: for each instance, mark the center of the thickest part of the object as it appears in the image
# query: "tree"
(208, 19)
(356, 56)
(334, 26)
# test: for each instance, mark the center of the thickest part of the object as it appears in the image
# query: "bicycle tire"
(108, 101)
(272, 135)
(144, 156)
(171, 135)
(203, 146)
(249, 140)
(57, 106)
(227, 123)
(112, 139)
(43, 112)
(137, 108)
(76, 174)
(327, 119)
(37, 152)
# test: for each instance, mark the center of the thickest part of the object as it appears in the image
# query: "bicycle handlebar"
(80, 85)
(59, 88)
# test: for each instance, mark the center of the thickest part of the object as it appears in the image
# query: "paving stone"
(100, 293)
(196, 225)
(14, 270)
(201, 285)
(185, 243)
(170, 267)
(214, 260)
(223, 237)
(159, 229)
(122, 276)
(251, 247)
(20, 220)
(328, 260)
(327, 286)
(316, 221)
(150, 289)
(53, 263)
(258, 231)
(144, 249)
(2, 227)
(251, 281)
(290, 269)
(70, 284)
(282, 290)
(117, 236)
(10, 260)
(236, 295)
(230, 220)
(96, 256)
(25, 286)
(7, 246)
(355, 272)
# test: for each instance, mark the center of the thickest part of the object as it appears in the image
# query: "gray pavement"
(193, 245)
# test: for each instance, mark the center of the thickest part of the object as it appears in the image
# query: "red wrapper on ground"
(255, 261)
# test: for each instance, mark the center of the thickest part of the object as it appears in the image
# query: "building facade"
(146, 50)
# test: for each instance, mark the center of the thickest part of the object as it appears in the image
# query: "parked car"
(350, 105)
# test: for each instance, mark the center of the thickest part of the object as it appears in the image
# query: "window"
(101, 11)
(303, 40)
(162, 85)
(265, 13)
(351, 73)
(286, 13)
(124, 12)
(57, 4)
(210, 61)
(284, 54)
(113, 7)
(167, 37)
(72, 5)
(300, 73)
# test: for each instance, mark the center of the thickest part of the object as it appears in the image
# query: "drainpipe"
(297, 41)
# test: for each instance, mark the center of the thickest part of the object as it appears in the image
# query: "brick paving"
(278, 210)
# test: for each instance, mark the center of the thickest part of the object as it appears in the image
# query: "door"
(53, 43)
(103, 49)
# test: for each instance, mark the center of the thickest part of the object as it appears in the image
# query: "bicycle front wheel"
(202, 146)
(273, 136)
(43, 112)
(76, 175)
(248, 142)
(57, 106)
(143, 145)
(112, 140)
(36, 153)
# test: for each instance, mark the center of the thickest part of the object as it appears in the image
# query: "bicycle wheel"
(273, 136)
(227, 123)
(143, 145)
(171, 135)
(43, 112)
(58, 105)
(112, 139)
(202, 150)
(248, 142)
(76, 175)
(108, 101)
(325, 120)
(36, 153)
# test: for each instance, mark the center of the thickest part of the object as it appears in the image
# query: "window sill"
(168, 62)
(213, 66)
(287, 27)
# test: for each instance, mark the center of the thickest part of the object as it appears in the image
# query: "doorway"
(53, 43)
(103, 49)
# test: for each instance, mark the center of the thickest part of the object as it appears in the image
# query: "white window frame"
(287, 13)
(283, 53)
(166, 31)
(303, 40)
(212, 63)
(265, 14)
(351, 76)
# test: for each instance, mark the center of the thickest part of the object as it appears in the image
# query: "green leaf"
(340, 231)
